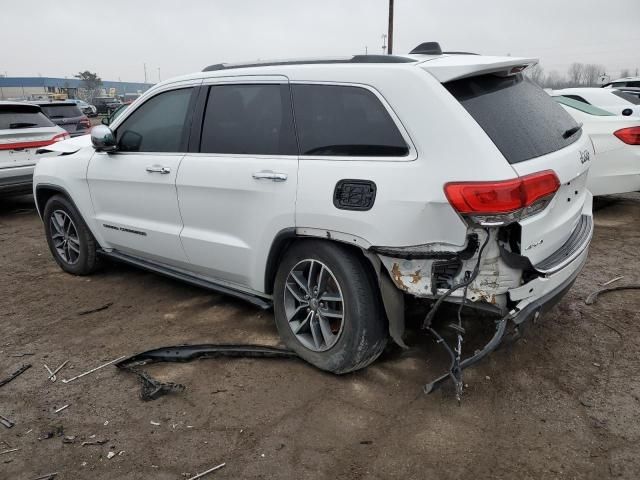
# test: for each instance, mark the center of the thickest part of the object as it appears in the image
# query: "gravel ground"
(562, 403)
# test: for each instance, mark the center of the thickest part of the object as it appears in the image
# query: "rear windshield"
(629, 97)
(21, 118)
(583, 107)
(61, 111)
(520, 118)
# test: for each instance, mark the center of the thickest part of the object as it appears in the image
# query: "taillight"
(84, 123)
(60, 137)
(502, 202)
(630, 136)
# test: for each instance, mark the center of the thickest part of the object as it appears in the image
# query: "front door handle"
(158, 169)
(269, 175)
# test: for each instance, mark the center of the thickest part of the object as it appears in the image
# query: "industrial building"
(31, 88)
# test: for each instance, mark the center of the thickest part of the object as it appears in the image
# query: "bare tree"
(555, 80)
(625, 73)
(576, 74)
(536, 73)
(591, 73)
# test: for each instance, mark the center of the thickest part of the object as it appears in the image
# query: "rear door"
(133, 189)
(237, 186)
(534, 134)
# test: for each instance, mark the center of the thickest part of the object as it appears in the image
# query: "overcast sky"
(115, 37)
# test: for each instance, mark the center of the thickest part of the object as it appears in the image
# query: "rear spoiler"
(448, 68)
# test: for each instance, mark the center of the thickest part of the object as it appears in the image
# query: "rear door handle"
(269, 175)
(158, 169)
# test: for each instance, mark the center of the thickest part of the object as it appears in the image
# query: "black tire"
(363, 334)
(86, 261)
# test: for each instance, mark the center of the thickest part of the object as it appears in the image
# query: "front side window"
(157, 125)
(248, 119)
(344, 121)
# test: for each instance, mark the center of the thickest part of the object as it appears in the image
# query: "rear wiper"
(22, 125)
(572, 131)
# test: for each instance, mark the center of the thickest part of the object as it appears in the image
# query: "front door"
(134, 188)
(237, 189)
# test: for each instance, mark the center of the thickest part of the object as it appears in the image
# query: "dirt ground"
(562, 403)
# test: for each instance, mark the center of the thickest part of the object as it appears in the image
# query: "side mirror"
(106, 120)
(103, 139)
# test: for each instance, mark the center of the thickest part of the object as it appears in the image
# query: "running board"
(185, 277)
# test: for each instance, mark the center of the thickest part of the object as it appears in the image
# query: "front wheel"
(70, 241)
(327, 307)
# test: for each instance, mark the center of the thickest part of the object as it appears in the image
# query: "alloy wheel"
(314, 305)
(65, 236)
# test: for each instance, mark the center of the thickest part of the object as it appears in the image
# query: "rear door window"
(13, 118)
(158, 125)
(248, 119)
(344, 121)
(521, 119)
(61, 111)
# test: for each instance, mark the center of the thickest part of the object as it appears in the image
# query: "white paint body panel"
(616, 166)
(602, 98)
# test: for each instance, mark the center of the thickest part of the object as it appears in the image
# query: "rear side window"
(15, 118)
(629, 97)
(521, 119)
(248, 119)
(344, 121)
(61, 111)
(157, 125)
(577, 98)
(583, 107)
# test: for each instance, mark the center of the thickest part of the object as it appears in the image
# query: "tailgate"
(17, 147)
(533, 134)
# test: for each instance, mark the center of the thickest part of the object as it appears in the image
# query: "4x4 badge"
(584, 156)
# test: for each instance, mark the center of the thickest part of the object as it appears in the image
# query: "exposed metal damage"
(431, 271)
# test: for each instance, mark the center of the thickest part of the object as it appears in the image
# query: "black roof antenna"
(427, 48)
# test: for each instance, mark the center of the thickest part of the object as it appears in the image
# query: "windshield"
(15, 119)
(61, 111)
(519, 117)
(583, 107)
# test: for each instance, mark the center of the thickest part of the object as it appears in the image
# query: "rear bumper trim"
(572, 248)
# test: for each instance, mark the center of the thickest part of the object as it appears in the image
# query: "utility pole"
(145, 72)
(390, 32)
(159, 79)
(384, 43)
(366, 50)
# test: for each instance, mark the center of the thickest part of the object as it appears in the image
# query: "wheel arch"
(391, 298)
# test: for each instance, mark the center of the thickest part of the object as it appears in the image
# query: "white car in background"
(609, 99)
(623, 82)
(23, 129)
(331, 189)
(616, 141)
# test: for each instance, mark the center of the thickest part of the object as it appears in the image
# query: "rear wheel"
(70, 241)
(327, 307)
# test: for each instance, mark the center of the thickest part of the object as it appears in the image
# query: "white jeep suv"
(332, 189)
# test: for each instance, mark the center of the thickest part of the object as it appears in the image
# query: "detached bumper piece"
(152, 388)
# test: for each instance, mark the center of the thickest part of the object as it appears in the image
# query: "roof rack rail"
(354, 59)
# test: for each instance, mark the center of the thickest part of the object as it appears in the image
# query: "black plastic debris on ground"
(15, 374)
(152, 388)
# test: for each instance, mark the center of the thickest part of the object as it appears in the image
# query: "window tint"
(345, 121)
(521, 119)
(248, 119)
(629, 97)
(61, 111)
(583, 107)
(634, 84)
(22, 118)
(577, 98)
(157, 125)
